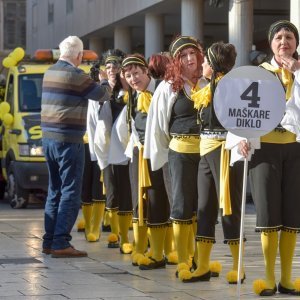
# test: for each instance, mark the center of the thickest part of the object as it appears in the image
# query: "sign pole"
(240, 263)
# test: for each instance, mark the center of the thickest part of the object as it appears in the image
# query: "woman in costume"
(215, 190)
(150, 201)
(173, 137)
(116, 175)
(273, 172)
(93, 198)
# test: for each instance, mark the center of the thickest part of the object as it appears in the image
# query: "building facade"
(12, 24)
(148, 26)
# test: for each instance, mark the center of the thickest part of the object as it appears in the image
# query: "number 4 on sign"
(251, 94)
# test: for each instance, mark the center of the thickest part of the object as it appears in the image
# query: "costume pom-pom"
(185, 274)
(173, 257)
(112, 238)
(215, 266)
(182, 266)
(91, 237)
(127, 248)
(136, 257)
(297, 284)
(81, 224)
(232, 276)
(144, 260)
(259, 285)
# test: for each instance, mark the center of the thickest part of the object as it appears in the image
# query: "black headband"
(181, 42)
(133, 60)
(113, 59)
(275, 27)
(212, 60)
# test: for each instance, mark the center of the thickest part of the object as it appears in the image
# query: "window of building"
(14, 12)
(69, 6)
(50, 13)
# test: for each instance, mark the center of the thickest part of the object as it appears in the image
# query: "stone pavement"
(26, 273)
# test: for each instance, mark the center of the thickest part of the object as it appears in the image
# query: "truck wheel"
(18, 197)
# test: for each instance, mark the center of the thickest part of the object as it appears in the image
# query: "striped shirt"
(66, 90)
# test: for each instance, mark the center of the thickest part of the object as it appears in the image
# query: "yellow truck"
(24, 172)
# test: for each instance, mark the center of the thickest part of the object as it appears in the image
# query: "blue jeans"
(65, 163)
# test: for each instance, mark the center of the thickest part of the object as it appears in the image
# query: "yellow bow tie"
(126, 97)
(203, 96)
(143, 101)
(286, 77)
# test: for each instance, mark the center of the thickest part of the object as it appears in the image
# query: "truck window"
(30, 91)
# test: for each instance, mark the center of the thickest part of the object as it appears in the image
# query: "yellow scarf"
(208, 145)
(144, 182)
(143, 102)
(203, 96)
(225, 201)
(126, 97)
(194, 87)
(286, 77)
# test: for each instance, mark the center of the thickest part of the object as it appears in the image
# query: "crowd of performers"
(160, 150)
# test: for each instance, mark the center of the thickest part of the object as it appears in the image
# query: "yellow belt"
(143, 183)
(277, 137)
(208, 145)
(185, 144)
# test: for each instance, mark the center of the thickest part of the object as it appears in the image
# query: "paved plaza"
(26, 273)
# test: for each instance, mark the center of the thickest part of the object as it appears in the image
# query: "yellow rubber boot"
(124, 224)
(98, 212)
(232, 276)
(269, 242)
(169, 246)
(181, 237)
(140, 242)
(192, 242)
(287, 244)
(80, 225)
(203, 250)
(156, 261)
(113, 238)
(106, 220)
(158, 237)
(87, 209)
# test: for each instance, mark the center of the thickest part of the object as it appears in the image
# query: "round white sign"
(249, 101)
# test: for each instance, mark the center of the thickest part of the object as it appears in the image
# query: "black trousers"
(91, 185)
(274, 172)
(123, 189)
(183, 171)
(118, 190)
(156, 207)
(208, 200)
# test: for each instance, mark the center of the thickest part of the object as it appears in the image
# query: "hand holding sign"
(249, 101)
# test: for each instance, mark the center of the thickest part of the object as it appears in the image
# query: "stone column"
(192, 18)
(295, 15)
(122, 39)
(154, 33)
(240, 23)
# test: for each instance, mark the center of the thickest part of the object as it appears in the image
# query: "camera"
(94, 71)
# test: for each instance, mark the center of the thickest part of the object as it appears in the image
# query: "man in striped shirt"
(66, 90)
